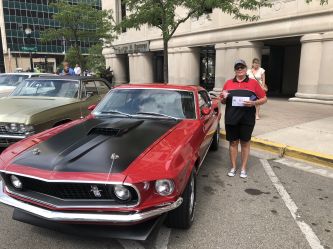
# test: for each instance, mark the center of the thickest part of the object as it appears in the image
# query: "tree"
(79, 22)
(162, 14)
(72, 57)
(95, 59)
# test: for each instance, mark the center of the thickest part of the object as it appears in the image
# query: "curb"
(290, 151)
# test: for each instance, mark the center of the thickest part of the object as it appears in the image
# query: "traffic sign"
(28, 49)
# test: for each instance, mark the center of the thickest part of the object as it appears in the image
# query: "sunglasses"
(239, 68)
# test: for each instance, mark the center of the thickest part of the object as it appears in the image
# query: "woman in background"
(257, 73)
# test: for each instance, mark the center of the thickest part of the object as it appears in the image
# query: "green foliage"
(80, 22)
(95, 59)
(73, 57)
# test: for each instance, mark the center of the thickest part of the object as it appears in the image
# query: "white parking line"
(310, 236)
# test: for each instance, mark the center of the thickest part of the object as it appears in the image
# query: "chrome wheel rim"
(192, 198)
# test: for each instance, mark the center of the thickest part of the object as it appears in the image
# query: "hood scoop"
(115, 129)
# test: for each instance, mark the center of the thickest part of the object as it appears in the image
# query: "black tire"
(216, 139)
(183, 216)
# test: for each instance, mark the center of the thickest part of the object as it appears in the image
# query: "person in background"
(37, 70)
(258, 73)
(67, 69)
(241, 95)
(77, 70)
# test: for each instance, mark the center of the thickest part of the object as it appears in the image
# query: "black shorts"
(241, 132)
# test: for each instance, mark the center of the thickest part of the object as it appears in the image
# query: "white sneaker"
(243, 174)
(232, 172)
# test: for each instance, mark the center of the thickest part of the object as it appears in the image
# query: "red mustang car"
(132, 163)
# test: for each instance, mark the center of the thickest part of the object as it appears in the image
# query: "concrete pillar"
(325, 83)
(249, 50)
(228, 53)
(118, 64)
(309, 64)
(231, 56)
(172, 68)
(184, 66)
(220, 65)
(141, 68)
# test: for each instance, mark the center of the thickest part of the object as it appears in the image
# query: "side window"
(102, 87)
(89, 89)
(204, 100)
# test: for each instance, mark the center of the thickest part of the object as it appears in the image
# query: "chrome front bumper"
(85, 217)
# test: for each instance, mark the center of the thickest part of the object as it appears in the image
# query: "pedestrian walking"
(241, 95)
(258, 73)
(77, 70)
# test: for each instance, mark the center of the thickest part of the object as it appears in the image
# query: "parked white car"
(9, 81)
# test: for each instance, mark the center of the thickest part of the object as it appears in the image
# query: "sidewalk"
(301, 130)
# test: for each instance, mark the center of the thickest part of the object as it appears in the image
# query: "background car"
(129, 165)
(41, 103)
(9, 81)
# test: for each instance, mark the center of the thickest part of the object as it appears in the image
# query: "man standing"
(77, 70)
(241, 95)
(67, 69)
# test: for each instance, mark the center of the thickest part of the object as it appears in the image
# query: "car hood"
(19, 109)
(96, 146)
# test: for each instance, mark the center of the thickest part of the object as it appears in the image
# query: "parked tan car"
(9, 81)
(42, 103)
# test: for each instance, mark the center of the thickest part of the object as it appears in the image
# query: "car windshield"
(12, 80)
(48, 88)
(148, 102)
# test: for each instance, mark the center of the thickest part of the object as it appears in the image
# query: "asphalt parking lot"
(282, 204)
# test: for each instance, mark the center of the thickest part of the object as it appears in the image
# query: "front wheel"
(216, 139)
(183, 216)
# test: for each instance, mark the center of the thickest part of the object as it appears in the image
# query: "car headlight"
(122, 192)
(20, 128)
(164, 187)
(16, 182)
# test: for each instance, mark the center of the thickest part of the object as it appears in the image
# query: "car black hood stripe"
(88, 146)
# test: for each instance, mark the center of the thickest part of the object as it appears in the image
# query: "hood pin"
(113, 157)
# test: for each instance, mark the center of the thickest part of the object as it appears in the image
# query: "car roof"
(26, 73)
(162, 86)
(69, 78)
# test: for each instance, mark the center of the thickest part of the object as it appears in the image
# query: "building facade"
(18, 15)
(293, 39)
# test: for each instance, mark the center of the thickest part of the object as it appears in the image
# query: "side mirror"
(205, 111)
(91, 108)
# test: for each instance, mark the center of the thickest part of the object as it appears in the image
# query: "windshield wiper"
(157, 114)
(116, 112)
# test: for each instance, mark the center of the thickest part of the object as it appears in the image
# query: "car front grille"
(3, 129)
(7, 141)
(68, 191)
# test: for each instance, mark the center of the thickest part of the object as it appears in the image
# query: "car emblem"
(96, 191)
(36, 151)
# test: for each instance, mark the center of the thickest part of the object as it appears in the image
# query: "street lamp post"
(28, 32)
